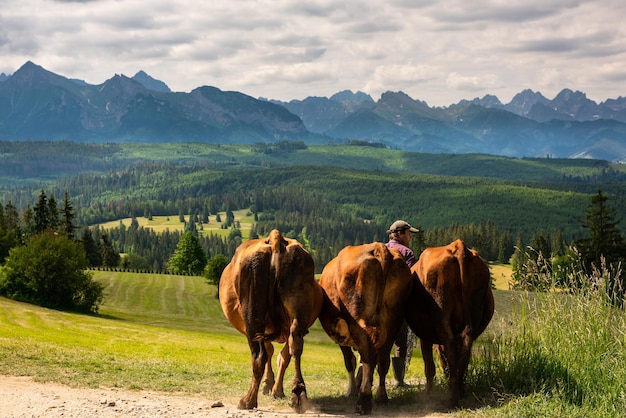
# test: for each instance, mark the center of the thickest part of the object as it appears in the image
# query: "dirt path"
(22, 397)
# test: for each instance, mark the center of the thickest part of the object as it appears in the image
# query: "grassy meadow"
(172, 223)
(542, 355)
(154, 332)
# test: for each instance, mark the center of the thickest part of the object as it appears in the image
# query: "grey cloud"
(310, 8)
(591, 45)
(549, 45)
(288, 47)
(614, 77)
(76, 1)
(372, 27)
(468, 12)
(14, 40)
(413, 4)
(294, 55)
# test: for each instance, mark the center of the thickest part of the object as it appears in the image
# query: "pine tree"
(604, 246)
(91, 249)
(603, 239)
(68, 217)
(53, 214)
(41, 212)
(110, 257)
(8, 236)
(28, 221)
(11, 216)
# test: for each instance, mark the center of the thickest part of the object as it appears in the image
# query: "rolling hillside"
(108, 182)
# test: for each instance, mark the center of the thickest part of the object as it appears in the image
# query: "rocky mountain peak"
(349, 96)
(151, 83)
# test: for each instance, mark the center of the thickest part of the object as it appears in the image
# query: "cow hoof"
(278, 394)
(246, 404)
(382, 398)
(299, 400)
(364, 405)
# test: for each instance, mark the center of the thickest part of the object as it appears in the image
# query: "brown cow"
(452, 304)
(367, 288)
(269, 293)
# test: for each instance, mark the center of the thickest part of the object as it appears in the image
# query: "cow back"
(452, 288)
(369, 285)
(267, 282)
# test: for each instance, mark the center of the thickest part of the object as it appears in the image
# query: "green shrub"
(50, 270)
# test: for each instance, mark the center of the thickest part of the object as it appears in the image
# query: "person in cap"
(400, 234)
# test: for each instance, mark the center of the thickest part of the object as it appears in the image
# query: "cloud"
(437, 51)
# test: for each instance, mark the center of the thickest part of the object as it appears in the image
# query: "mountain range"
(36, 104)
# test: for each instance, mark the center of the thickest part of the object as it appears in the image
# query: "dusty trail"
(22, 397)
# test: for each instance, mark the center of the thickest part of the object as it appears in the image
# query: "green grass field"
(167, 333)
(162, 223)
(501, 275)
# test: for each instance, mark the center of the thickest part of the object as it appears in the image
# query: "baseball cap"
(401, 226)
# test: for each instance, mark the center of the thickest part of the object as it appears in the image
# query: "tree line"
(299, 214)
(46, 226)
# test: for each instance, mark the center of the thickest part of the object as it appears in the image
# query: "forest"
(325, 196)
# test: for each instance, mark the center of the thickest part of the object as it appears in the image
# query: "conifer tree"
(53, 214)
(28, 221)
(110, 257)
(41, 211)
(91, 249)
(68, 217)
(603, 238)
(604, 246)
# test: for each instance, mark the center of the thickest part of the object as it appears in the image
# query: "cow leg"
(284, 358)
(299, 401)
(429, 363)
(443, 362)
(368, 363)
(349, 360)
(383, 369)
(259, 359)
(465, 355)
(268, 377)
(451, 349)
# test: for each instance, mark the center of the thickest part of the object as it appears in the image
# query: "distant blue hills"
(36, 104)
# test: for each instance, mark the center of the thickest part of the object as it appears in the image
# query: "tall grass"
(562, 354)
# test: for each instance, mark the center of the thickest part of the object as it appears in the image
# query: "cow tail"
(464, 256)
(277, 246)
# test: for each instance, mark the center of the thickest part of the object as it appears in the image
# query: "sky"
(439, 52)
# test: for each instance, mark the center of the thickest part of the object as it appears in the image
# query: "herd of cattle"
(269, 293)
